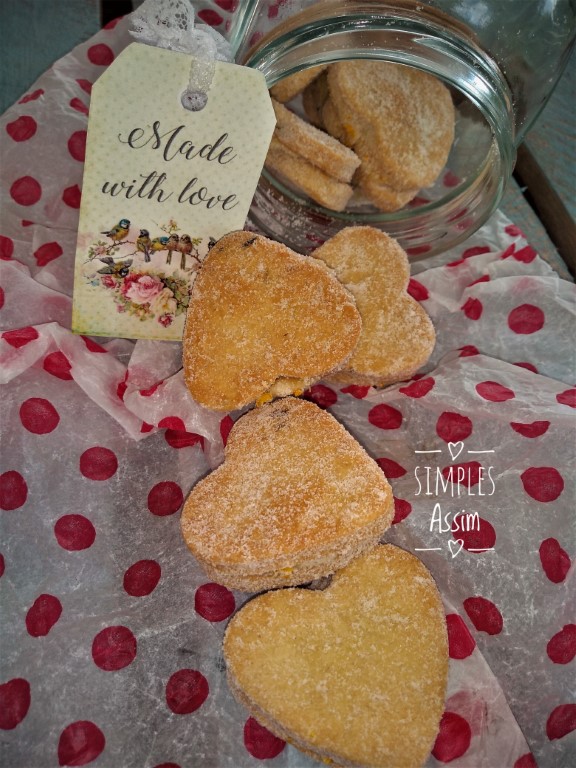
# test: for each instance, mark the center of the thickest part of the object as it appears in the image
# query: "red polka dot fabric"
(111, 630)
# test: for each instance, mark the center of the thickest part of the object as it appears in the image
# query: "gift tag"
(161, 184)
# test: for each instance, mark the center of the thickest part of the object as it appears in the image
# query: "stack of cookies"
(388, 127)
(353, 674)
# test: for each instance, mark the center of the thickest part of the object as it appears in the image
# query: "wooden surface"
(37, 32)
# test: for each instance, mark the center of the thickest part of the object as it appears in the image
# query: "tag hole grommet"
(194, 100)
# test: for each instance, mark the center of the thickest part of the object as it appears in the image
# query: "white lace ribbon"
(170, 24)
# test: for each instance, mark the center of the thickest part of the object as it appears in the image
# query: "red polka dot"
(468, 350)
(172, 422)
(26, 191)
(484, 615)
(476, 250)
(210, 17)
(93, 346)
(402, 509)
(534, 429)
(6, 248)
(472, 308)
(542, 483)
(86, 85)
(227, 5)
(526, 319)
(79, 106)
(356, 391)
(494, 392)
(453, 739)
(418, 250)
(525, 255)
(450, 179)
(482, 535)
(42, 615)
(80, 743)
(77, 145)
(186, 691)
(14, 702)
(39, 416)
(561, 648)
(74, 532)
(122, 387)
(13, 490)
(47, 253)
(20, 337)
(555, 560)
(483, 279)
(112, 23)
(146, 427)
(178, 439)
(527, 366)
(214, 602)
(1, 297)
(57, 364)
(100, 54)
(385, 417)
(526, 761)
(259, 742)
(562, 721)
(418, 388)
(391, 468)
(142, 578)
(513, 230)
(460, 641)
(22, 129)
(417, 290)
(417, 201)
(165, 498)
(324, 397)
(32, 96)
(98, 463)
(150, 391)
(2, 566)
(468, 473)
(453, 427)
(167, 765)
(455, 263)
(71, 196)
(114, 648)
(225, 427)
(567, 398)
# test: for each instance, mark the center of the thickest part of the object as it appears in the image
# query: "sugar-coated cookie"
(263, 321)
(296, 498)
(397, 336)
(354, 675)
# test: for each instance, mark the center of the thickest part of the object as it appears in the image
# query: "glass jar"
(499, 58)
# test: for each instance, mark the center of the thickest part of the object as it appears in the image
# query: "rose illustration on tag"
(142, 273)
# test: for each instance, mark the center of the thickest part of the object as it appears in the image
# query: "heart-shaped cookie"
(296, 498)
(355, 674)
(397, 335)
(263, 321)
(399, 121)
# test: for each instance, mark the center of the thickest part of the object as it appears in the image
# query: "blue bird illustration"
(119, 232)
(158, 244)
(143, 243)
(120, 268)
(172, 245)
